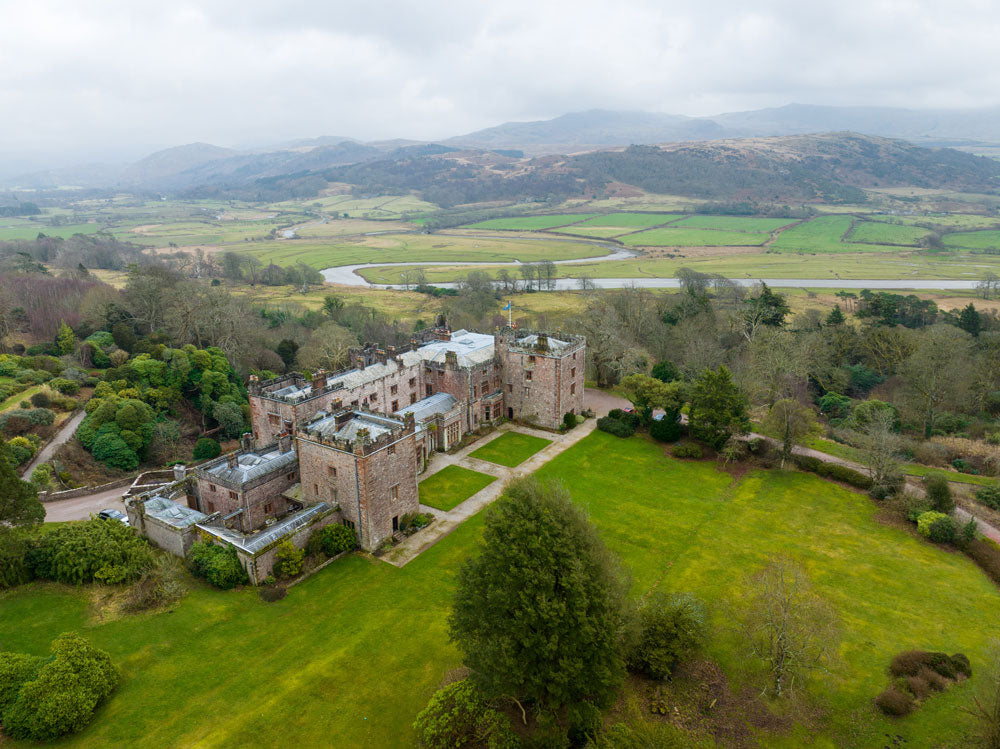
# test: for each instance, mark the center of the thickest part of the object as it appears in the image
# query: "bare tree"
(327, 348)
(585, 283)
(793, 423)
(881, 447)
(785, 624)
(988, 285)
(986, 702)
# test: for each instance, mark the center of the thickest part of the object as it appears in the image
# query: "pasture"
(531, 223)
(360, 647)
(974, 240)
(734, 223)
(877, 232)
(670, 237)
(23, 229)
(823, 234)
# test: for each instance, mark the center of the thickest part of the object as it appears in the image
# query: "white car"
(118, 515)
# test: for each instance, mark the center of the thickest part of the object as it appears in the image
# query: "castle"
(347, 447)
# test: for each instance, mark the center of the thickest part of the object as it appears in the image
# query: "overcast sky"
(84, 80)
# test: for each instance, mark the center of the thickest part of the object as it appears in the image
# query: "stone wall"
(260, 565)
(168, 537)
(540, 386)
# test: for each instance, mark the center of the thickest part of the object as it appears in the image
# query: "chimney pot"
(284, 443)
(231, 460)
(246, 441)
(180, 472)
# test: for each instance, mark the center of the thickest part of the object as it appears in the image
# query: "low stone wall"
(83, 491)
(259, 566)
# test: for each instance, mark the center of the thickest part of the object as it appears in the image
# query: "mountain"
(165, 164)
(596, 128)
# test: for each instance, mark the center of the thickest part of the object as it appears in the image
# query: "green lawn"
(510, 449)
(531, 223)
(451, 486)
(669, 237)
(977, 240)
(822, 234)
(878, 232)
(734, 223)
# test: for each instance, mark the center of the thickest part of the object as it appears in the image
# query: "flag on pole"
(507, 307)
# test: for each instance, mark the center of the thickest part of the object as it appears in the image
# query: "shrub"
(667, 429)
(617, 427)
(926, 520)
(206, 448)
(273, 593)
(918, 686)
(63, 694)
(288, 560)
(41, 400)
(964, 466)
(569, 420)
(158, 586)
(941, 663)
(332, 540)
(939, 494)
(20, 450)
(217, 564)
(989, 496)
(14, 568)
(960, 663)
(459, 715)
(113, 450)
(839, 472)
(585, 722)
(686, 450)
(943, 531)
(16, 670)
(64, 386)
(103, 550)
(807, 462)
(931, 453)
(986, 553)
(672, 628)
(895, 702)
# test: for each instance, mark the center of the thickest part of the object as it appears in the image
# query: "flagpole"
(510, 312)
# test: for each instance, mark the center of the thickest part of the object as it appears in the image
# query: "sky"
(86, 81)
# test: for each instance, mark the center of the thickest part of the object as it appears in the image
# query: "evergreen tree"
(718, 408)
(66, 339)
(19, 503)
(970, 320)
(539, 613)
(836, 317)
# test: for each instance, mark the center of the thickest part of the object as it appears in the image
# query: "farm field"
(531, 223)
(734, 223)
(631, 220)
(202, 232)
(451, 486)
(976, 240)
(877, 232)
(822, 234)
(347, 226)
(382, 207)
(670, 237)
(598, 232)
(14, 229)
(363, 644)
(510, 449)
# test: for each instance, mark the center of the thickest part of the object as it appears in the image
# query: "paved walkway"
(445, 522)
(81, 508)
(66, 431)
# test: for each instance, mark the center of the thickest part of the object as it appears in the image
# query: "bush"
(20, 450)
(41, 400)
(939, 494)
(585, 721)
(839, 472)
(64, 386)
(986, 553)
(895, 702)
(206, 448)
(943, 531)
(459, 715)
(926, 520)
(95, 550)
(273, 593)
(617, 427)
(288, 560)
(672, 629)
(62, 695)
(667, 429)
(807, 462)
(989, 496)
(569, 420)
(14, 568)
(686, 450)
(960, 662)
(964, 466)
(217, 564)
(332, 540)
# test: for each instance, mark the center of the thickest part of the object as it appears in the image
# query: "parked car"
(118, 515)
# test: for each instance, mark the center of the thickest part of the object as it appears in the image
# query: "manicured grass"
(694, 238)
(734, 223)
(354, 652)
(14, 401)
(531, 223)
(510, 449)
(976, 240)
(878, 232)
(451, 486)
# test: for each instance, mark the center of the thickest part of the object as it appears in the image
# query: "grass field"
(630, 220)
(975, 240)
(597, 232)
(734, 223)
(670, 237)
(531, 223)
(383, 207)
(13, 229)
(877, 232)
(822, 234)
(451, 486)
(510, 449)
(355, 651)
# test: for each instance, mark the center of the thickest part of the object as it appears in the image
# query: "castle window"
(290, 477)
(273, 419)
(413, 381)
(531, 359)
(510, 388)
(211, 507)
(316, 491)
(527, 375)
(332, 471)
(394, 493)
(233, 495)
(430, 390)
(527, 390)
(392, 449)
(413, 397)
(333, 494)
(574, 355)
(267, 508)
(211, 487)
(394, 389)
(572, 389)
(349, 524)
(395, 406)
(572, 372)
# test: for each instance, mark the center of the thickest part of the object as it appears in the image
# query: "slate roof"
(172, 513)
(530, 341)
(438, 403)
(376, 425)
(249, 465)
(283, 528)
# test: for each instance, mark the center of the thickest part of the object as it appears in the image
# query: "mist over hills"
(569, 154)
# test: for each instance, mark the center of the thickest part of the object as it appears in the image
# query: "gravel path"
(63, 436)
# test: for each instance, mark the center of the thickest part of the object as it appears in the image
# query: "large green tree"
(19, 503)
(648, 393)
(718, 408)
(539, 613)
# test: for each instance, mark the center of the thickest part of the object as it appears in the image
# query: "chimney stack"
(284, 443)
(180, 472)
(318, 381)
(359, 361)
(442, 334)
(380, 355)
(246, 441)
(542, 344)
(231, 460)
(451, 359)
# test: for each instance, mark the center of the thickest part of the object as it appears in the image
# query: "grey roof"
(530, 341)
(438, 403)
(326, 426)
(359, 377)
(172, 513)
(471, 348)
(250, 465)
(293, 393)
(256, 541)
